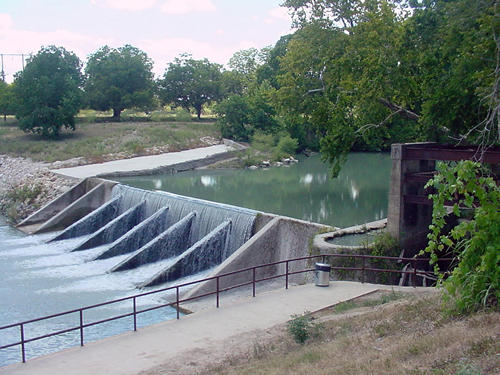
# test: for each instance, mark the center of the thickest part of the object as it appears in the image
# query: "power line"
(22, 55)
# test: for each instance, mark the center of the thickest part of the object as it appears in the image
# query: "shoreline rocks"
(26, 186)
(267, 163)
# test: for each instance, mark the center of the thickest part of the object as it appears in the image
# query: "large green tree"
(48, 92)
(191, 83)
(119, 78)
(366, 73)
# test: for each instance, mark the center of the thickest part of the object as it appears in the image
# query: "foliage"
(48, 92)
(118, 79)
(240, 116)
(287, 145)
(364, 74)
(7, 100)
(191, 83)
(182, 114)
(302, 327)
(474, 282)
(19, 199)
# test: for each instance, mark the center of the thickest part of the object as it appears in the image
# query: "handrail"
(217, 292)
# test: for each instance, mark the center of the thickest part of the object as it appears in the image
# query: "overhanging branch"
(403, 112)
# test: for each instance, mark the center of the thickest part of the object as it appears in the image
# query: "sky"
(213, 29)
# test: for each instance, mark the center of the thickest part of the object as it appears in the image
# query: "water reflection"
(303, 190)
(208, 181)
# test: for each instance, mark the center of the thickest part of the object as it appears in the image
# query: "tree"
(363, 74)
(48, 92)
(191, 83)
(7, 100)
(118, 79)
(241, 115)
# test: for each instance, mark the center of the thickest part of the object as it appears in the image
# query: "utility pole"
(2, 72)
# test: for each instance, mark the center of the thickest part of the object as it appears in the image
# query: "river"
(303, 191)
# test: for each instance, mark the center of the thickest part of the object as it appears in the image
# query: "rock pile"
(25, 186)
(268, 163)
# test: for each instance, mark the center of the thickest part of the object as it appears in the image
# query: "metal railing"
(414, 273)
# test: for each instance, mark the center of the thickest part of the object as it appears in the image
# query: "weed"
(345, 306)
(302, 327)
(467, 369)
(182, 115)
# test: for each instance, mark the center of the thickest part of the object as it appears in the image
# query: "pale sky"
(214, 29)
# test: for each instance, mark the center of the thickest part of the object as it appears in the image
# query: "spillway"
(155, 226)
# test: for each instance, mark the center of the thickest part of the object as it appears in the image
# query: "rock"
(266, 163)
(286, 160)
(253, 167)
(278, 164)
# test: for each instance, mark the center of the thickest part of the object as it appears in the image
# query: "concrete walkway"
(149, 347)
(143, 163)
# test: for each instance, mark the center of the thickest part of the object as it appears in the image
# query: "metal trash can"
(322, 274)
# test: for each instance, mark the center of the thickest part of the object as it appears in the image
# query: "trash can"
(322, 274)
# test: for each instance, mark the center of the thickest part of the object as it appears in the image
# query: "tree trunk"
(198, 112)
(116, 114)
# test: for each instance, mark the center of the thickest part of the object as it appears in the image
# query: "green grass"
(96, 140)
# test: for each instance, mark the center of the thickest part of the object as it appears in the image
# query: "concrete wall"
(278, 238)
(185, 166)
(69, 207)
(407, 222)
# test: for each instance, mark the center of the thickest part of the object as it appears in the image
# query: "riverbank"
(26, 185)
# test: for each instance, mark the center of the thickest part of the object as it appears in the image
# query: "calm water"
(304, 190)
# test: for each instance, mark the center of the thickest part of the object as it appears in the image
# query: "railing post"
(414, 273)
(286, 275)
(177, 301)
(135, 315)
(363, 270)
(323, 259)
(253, 281)
(217, 291)
(81, 327)
(23, 349)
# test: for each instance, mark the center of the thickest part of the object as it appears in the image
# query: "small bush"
(182, 115)
(134, 147)
(302, 327)
(287, 145)
(262, 141)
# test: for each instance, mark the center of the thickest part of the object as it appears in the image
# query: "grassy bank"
(400, 335)
(95, 140)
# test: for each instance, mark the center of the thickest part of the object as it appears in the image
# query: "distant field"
(95, 140)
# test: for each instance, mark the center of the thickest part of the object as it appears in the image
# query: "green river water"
(303, 191)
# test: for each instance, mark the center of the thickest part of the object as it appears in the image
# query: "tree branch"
(400, 110)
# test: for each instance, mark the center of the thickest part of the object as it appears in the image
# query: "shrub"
(287, 144)
(182, 115)
(302, 327)
(474, 282)
(262, 141)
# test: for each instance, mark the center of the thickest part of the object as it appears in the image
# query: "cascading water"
(209, 214)
(91, 222)
(203, 255)
(115, 228)
(168, 244)
(155, 226)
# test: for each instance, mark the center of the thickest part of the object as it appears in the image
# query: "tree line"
(355, 75)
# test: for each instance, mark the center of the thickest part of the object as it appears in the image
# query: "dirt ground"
(368, 330)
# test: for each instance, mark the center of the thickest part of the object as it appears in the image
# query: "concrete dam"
(151, 226)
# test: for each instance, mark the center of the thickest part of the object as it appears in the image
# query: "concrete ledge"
(278, 238)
